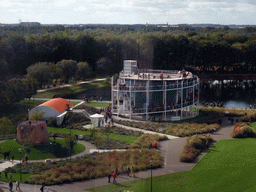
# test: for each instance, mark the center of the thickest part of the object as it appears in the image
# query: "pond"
(233, 93)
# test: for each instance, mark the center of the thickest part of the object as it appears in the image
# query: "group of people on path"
(129, 172)
(8, 156)
(150, 145)
(114, 175)
(153, 118)
(17, 183)
(98, 98)
(231, 120)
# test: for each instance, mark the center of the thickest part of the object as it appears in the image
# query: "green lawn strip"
(74, 102)
(229, 166)
(15, 177)
(97, 104)
(72, 90)
(253, 125)
(40, 151)
(126, 138)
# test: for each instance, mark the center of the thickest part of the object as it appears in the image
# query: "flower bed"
(242, 130)
(184, 129)
(98, 166)
(194, 145)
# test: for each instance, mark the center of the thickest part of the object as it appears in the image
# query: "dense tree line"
(153, 47)
(46, 53)
(44, 73)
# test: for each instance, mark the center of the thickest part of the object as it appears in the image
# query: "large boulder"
(33, 133)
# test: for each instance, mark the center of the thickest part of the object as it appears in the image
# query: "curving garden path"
(170, 150)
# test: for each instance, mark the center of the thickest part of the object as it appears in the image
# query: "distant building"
(30, 24)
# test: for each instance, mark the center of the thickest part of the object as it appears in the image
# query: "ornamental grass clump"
(250, 116)
(194, 145)
(181, 130)
(186, 129)
(142, 141)
(98, 166)
(242, 130)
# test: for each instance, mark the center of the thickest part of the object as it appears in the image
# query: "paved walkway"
(145, 131)
(170, 151)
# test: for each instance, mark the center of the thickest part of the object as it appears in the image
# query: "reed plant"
(181, 130)
(194, 145)
(99, 166)
(242, 130)
(143, 140)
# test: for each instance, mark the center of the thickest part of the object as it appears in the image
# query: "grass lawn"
(253, 125)
(74, 102)
(40, 151)
(229, 166)
(72, 90)
(96, 104)
(15, 177)
(126, 138)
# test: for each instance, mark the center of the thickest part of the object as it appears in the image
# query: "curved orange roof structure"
(58, 104)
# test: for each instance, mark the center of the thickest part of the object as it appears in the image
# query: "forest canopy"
(33, 56)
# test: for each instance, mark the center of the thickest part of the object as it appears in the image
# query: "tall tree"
(42, 72)
(6, 126)
(67, 69)
(84, 70)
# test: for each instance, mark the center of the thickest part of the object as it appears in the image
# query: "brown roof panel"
(58, 104)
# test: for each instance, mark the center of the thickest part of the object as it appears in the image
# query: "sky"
(225, 12)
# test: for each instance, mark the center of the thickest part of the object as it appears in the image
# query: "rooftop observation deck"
(157, 75)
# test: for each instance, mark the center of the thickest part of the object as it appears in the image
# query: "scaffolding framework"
(147, 94)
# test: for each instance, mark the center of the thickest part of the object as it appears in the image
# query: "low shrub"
(242, 130)
(194, 145)
(52, 122)
(187, 157)
(249, 116)
(142, 141)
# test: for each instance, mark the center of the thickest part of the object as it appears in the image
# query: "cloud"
(63, 3)
(128, 11)
(80, 8)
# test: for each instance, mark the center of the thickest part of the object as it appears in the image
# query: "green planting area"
(97, 104)
(181, 130)
(125, 138)
(39, 151)
(15, 177)
(72, 90)
(97, 165)
(230, 165)
(253, 125)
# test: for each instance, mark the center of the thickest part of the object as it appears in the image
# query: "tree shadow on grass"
(55, 149)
